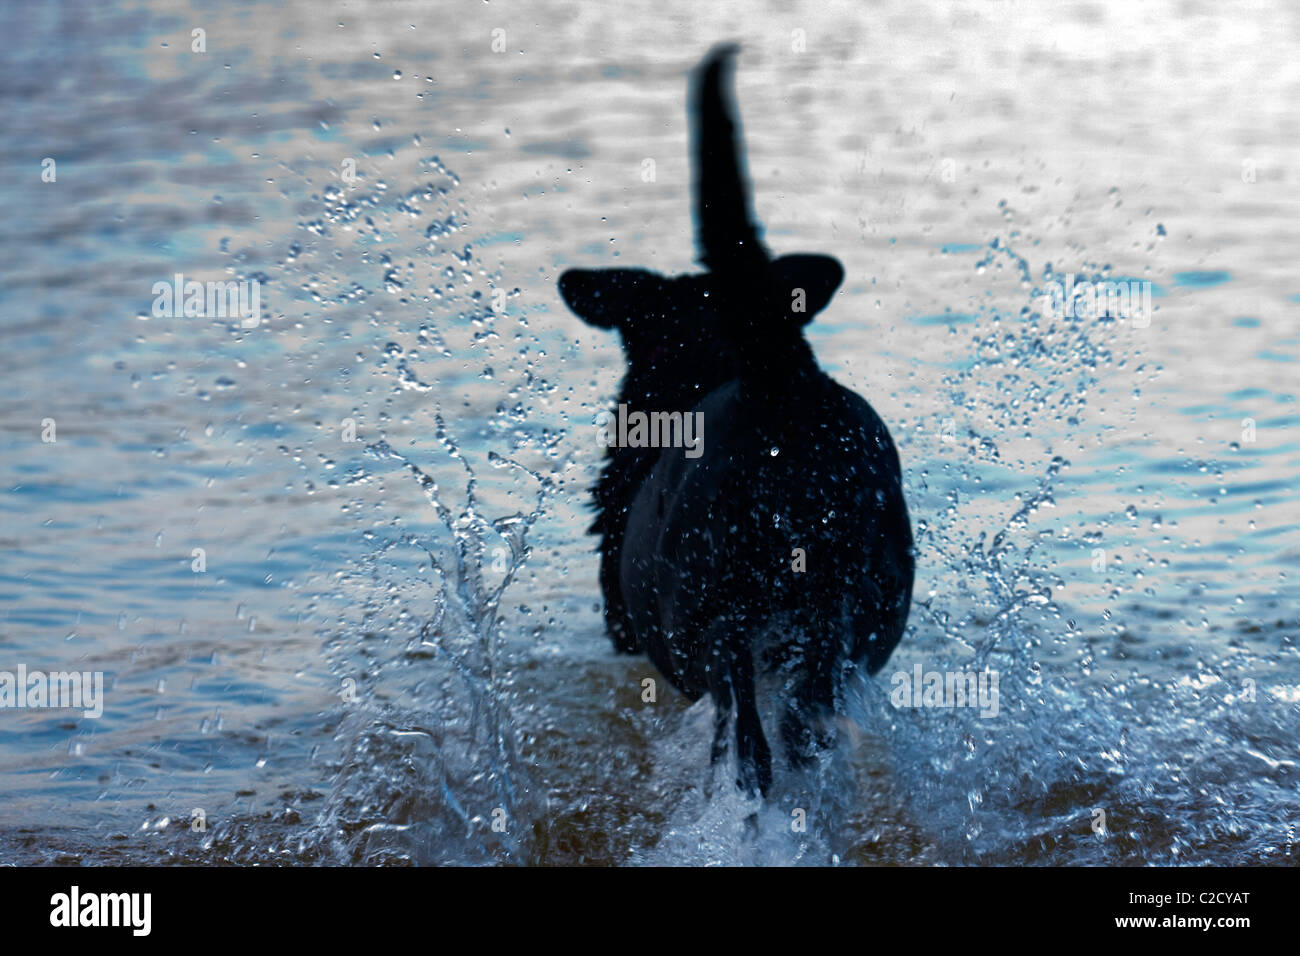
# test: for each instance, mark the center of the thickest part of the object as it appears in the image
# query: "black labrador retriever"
(781, 553)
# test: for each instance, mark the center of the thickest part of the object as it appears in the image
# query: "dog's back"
(792, 517)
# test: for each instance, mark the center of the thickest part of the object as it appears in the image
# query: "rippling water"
(394, 650)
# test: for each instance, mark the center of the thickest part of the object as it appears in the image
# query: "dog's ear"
(807, 283)
(607, 298)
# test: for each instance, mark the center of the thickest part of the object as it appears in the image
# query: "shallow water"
(381, 663)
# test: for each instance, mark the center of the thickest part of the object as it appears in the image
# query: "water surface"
(1106, 514)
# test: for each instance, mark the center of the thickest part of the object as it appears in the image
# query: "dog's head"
(672, 337)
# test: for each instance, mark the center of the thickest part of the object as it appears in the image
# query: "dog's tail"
(727, 235)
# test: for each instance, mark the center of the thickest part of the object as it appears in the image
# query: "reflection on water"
(392, 651)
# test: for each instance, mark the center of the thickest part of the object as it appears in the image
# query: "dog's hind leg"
(721, 720)
(731, 680)
(807, 728)
(719, 684)
(752, 751)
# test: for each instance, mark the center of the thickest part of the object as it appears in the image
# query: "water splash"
(432, 772)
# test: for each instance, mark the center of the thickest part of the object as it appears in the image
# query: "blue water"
(393, 652)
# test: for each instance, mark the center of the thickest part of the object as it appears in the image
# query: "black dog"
(784, 550)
